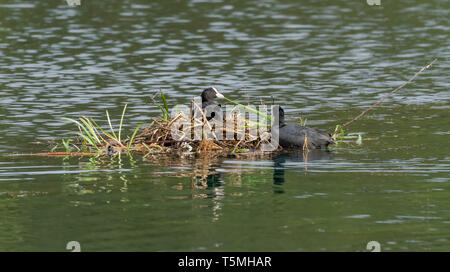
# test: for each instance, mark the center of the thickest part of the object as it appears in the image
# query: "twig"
(305, 144)
(389, 94)
(235, 147)
(59, 154)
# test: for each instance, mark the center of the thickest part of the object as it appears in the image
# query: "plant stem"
(389, 94)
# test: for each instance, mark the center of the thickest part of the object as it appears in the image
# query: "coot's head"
(281, 115)
(210, 94)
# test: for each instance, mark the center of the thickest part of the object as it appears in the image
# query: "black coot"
(292, 136)
(208, 96)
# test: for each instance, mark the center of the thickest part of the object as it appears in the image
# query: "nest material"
(179, 135)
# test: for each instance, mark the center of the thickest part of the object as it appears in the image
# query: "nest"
(188, 133)
(195, 134)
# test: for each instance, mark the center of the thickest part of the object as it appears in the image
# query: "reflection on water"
(300, 157)
(323, 61)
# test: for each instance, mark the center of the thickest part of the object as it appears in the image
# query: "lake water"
(325, 61)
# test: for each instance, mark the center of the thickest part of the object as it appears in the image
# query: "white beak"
(219, 95)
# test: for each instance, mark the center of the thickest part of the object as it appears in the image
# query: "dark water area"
(325, 61)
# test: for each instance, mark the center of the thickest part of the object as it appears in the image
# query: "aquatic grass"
(268, 117)
(54, 148)
(82, 128)
(88, 141)
(130, 143)
(339, 136)
(338, 133)
(113, 136)
(110, 125)
(121, 121)
(302, 122)
(165, 115)
(148, 148)
(101, 129)
(107, 134)
(89, 135)
(166, 107)
(239, 150)
(89, 132)
(359, 140)
(66, 145)
(91, 128)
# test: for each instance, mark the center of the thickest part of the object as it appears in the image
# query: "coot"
(291, 136)
(208, 103)
(208, 96)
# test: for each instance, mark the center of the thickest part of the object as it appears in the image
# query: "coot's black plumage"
(208, 96)
(291, 136)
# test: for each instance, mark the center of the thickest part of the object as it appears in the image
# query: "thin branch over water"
(389, 94)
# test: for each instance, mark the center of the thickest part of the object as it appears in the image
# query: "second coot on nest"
(291, 136)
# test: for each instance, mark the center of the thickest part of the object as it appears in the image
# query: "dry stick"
(58, 154)
(146, 130)
(389, 94)
(235, 147)
(305, 143)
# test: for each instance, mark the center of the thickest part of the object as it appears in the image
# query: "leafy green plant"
(359, 140)
(90, 133)
(239, 150)
(339, 136)
(54, 148)
(302, 122)
(133, 135)
(87, 131)
(121, 121)
(164, 107)
(113, 135)
(338, 133)
(66, 145)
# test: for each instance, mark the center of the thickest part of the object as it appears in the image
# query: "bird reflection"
(298, 156)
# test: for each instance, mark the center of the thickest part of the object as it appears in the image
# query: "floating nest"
(183, 135)
(191, 134)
